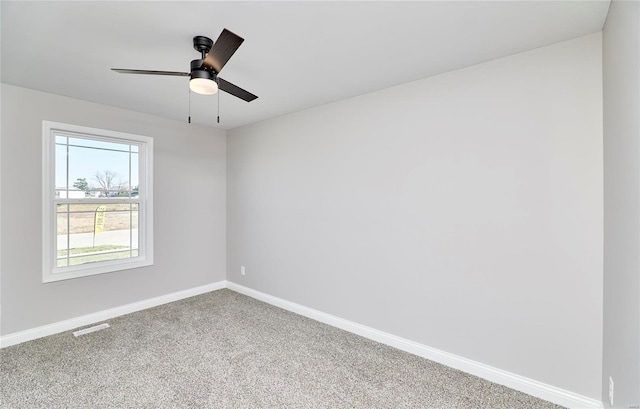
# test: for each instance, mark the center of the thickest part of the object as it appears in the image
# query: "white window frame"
(50, 271)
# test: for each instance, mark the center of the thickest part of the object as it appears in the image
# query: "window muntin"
(97, 201)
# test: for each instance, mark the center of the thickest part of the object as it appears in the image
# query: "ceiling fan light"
(203, 86)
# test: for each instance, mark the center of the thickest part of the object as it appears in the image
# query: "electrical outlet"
(611, 391)
(242, 270)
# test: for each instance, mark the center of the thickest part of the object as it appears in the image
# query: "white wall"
(189, 211)
(621, 66)
(463, 211)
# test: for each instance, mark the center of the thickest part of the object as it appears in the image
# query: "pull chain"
(218, 100)
(189, 90)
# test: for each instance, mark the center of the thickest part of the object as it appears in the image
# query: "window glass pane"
(61, 234)
(135, 179)
(61, 170)
(105, 172)
(97, 233)
(61, 139)
(134, 148)
(61, 217)
(90, 143)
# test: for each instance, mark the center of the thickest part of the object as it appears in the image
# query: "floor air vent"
(89, 330)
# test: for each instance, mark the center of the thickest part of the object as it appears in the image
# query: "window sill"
(88, 270)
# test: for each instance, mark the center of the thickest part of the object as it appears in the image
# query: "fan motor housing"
(198, 71)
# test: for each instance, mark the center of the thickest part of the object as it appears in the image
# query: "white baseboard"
(529, 386)
(61, 326)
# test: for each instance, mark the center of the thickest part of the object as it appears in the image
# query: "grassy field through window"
(118, 216)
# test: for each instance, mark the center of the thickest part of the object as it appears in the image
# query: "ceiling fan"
(204, 72)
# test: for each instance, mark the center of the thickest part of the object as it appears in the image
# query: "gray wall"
(189, 199)
(463, 211)
(621, 68)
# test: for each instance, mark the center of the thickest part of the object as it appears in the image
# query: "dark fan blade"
(174, 73)
(235, 90)
(222, 50)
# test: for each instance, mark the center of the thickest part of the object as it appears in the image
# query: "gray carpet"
(226, 350)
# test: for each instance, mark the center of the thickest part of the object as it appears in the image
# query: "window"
(97, 201)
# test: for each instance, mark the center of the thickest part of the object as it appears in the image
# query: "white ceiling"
(296, 55)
